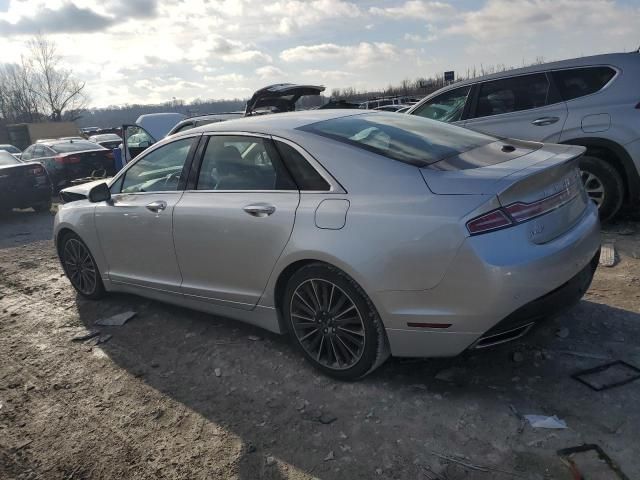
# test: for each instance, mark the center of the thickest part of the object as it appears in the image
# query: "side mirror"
(100, 193)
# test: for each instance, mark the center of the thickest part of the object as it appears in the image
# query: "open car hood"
(281, 97)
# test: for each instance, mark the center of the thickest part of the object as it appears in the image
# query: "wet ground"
(178, 394)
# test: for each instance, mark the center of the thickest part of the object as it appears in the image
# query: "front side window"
(406, 138)
(28, 153)
(38, 151)
(234, 162)
(158, 171)
(578, 82)
(447, 107)
(512, 94)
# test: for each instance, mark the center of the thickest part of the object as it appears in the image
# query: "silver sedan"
(360, 234)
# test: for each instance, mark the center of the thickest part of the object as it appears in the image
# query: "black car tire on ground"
(75, 256)
(599, 170)
(324, 283)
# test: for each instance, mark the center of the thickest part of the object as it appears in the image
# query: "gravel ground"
(178, 394)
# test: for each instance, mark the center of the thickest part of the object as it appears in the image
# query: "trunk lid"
(534, 183)
(22, 176)
(281, 96)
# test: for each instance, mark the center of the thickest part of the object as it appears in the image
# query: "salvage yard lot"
(180, 394)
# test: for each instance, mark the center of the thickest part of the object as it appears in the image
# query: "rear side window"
(406, 138)
(305, 176)
(578, 82)
(447, 107)
(513, 94)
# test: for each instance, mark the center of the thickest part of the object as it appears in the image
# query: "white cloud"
(362, 54)
(226, 78)
(269, 72)
(417, 9)
(327, 75)
(294, 14)
(499, 19)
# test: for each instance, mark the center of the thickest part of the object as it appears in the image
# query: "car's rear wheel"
(334, 323)
(604, 185)
(80, 267)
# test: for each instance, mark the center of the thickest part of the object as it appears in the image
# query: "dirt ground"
(176, 394)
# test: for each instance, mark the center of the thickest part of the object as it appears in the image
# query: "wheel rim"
(79, 266)
(327, 323)
(594, 187)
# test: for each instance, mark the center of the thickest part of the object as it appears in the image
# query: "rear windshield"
(75, 146)
(7, 159)
(407, 138)
(9, 148)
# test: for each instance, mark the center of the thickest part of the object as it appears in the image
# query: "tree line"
(39, 88)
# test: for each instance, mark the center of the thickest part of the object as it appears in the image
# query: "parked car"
(193, 122)
(332, 104)
(356, 232)
(15, 151)
(281, 97)
(107, 140)
(589, 101)
(23, 184)
(68, 160)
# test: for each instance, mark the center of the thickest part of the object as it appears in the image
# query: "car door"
(135, 141)
(447, 107)
(524, 106)
(135, 226)
(232, 225)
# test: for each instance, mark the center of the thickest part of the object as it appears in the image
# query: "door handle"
(541, 122)
(157, 206)
(260, 210)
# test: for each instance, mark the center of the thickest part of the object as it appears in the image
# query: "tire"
(42, 207)
(349, 340)
(603, 184)
(72, 252)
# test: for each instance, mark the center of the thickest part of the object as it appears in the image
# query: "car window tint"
(27, 154)
(578, 82)
(185, 127)
(159, 170)
(407, 138)
(447, 107)
(512, 94)
(305, 176)
(242, 163)
(38, 151)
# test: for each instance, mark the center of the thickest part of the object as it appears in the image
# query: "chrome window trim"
(152, 148)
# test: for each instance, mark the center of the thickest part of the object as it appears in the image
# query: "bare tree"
(56, 85)
(19, 101)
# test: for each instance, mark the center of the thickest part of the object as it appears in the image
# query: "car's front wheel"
(603, 184)
(80, 267)
(334, 323)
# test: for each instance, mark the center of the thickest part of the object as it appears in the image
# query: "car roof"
(615, 59)
(276, 123)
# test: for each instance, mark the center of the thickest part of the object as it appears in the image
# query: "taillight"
(65, 160)
(520, 212)
(36, 170)
(489, 221)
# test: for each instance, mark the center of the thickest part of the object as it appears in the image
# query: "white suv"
(591, 101)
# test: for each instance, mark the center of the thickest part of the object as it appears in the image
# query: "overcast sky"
(152, 50)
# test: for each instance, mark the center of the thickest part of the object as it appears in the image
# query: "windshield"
(75, 146)
(7, 159)
(407, 138)
(9, 148)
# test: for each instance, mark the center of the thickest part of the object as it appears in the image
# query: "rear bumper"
(25, 197)
(493, 277)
